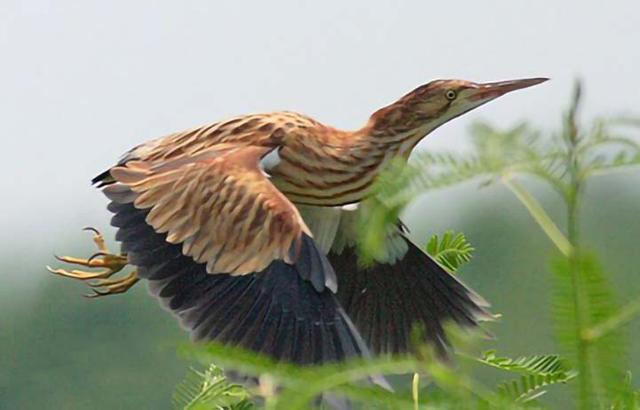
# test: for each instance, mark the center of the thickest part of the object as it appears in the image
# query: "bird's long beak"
(489, 91)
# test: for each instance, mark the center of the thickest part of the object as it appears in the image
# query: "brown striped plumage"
(220, 207)
(237, 224)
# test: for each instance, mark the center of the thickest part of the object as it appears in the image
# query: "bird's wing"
(218, 207)
(252, 129)
(275, 311)
(246, 130)
(388, 300)
(218, 204)
(403, 289)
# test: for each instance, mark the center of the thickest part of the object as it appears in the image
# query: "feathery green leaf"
(210, 390)
(537, 372)
(629, 397)
(596, 303)
(452, 250)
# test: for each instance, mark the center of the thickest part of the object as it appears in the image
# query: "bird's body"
(245, 228)
(313, 163)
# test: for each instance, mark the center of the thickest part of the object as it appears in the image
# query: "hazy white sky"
(83, 81)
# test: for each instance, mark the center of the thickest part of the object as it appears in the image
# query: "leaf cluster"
(210, 389)
(285, 386)
(537, 372)
(451, 250)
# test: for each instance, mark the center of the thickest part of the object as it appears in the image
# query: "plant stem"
(583, 359)
(540, 216)
(415, 390)
(607, 326)
(588, 387)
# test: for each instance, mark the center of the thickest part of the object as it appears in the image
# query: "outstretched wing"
(180, 220)
(219, 205)
(275, 311)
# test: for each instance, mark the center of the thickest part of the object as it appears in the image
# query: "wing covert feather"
(219, 205)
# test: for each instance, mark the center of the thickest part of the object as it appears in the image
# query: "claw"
(98, 239)
(114, 286)
(95, 294)
(95, 255)
(92, 229)
(100, 283)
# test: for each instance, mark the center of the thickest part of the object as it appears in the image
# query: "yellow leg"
(108, 264)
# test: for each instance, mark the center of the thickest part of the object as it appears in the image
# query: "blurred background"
(82, 82)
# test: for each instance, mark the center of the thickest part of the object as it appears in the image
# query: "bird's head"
(439, 101)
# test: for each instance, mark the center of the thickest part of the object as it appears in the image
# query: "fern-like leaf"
(452, 250)
(209, 389)
(582, 298)
(607, 149)
(532, 365)
(629, 397)
(529, 387)
(519, 150)
(537, 372)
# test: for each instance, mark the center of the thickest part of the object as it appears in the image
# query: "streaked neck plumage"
(340, 169)
(395, 130)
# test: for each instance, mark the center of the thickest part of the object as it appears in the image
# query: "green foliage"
(380, 213)
(452, 250)
(536, 365)
(299, 386)
(537, 372)
(629, 398)
(597, 303)
(529, 387)
(209, 389)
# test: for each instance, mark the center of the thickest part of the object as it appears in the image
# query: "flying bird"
(246, 230)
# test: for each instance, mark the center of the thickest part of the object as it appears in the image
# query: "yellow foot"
(107, 263)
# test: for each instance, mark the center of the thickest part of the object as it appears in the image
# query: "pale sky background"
(83, 81)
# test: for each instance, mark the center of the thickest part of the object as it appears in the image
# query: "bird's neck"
(387, 132)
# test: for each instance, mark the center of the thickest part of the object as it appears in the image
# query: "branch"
(624, 315)
(539, 215)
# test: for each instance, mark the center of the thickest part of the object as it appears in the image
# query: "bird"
(245, 229)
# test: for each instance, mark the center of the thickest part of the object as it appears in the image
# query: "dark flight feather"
(385, 301)
(103, 179)
(285, 311)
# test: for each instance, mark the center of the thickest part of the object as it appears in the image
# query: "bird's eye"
(451, 95)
